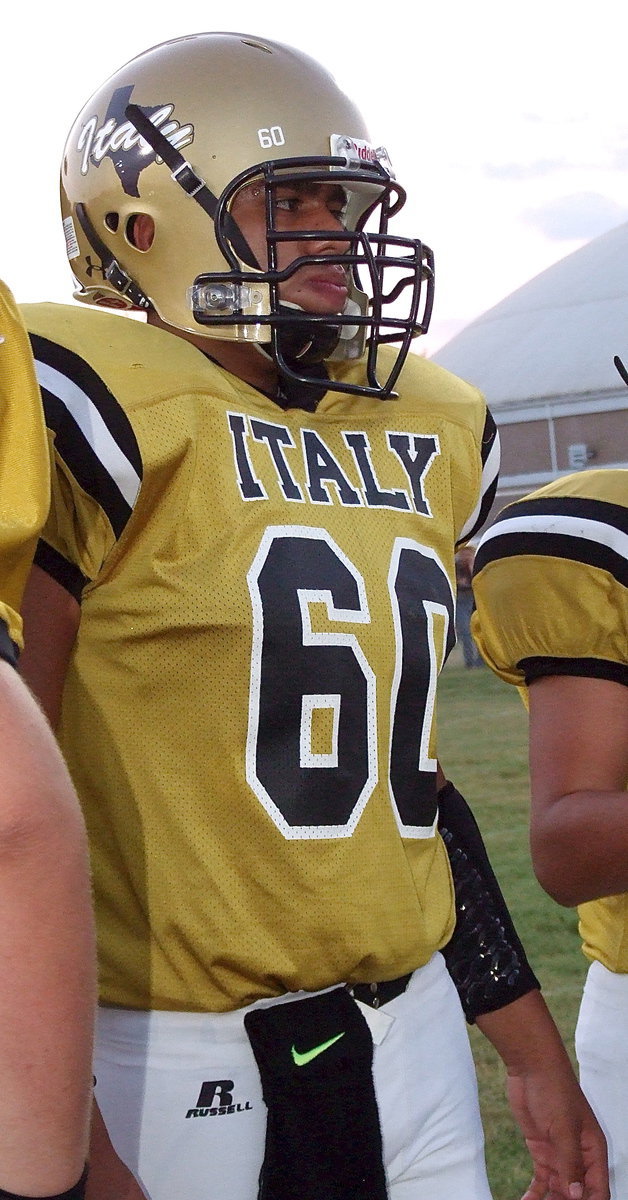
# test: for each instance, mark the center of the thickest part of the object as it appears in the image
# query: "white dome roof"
(556, 335)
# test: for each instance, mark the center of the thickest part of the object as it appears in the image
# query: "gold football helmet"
(175, 134)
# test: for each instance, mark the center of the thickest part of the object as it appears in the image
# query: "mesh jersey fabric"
(267, 597)
(24, 470)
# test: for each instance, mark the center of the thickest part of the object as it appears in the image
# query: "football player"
(247, 577)
(551, 588)
(47, 955)
(464, 606)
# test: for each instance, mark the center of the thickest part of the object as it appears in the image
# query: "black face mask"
(393, 266)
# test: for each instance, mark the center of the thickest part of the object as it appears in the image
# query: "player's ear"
(140, 231)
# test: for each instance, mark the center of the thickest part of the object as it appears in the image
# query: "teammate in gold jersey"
(551, 587)
(47, 985)
(243, 596)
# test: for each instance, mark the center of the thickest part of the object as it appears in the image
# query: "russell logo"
(117, 138)
(216, 1100)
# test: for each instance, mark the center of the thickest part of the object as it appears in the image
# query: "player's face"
(299, 206)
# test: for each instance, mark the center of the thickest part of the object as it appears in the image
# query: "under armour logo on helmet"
(92, 267)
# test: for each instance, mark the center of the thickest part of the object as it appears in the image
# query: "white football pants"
(602, 1051)
(181, 1096)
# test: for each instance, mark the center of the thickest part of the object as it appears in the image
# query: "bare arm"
(578, 775)
(51, 622)
(47, 956)
(565, 1142)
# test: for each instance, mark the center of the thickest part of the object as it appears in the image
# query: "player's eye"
(338, 204)
(288, 203)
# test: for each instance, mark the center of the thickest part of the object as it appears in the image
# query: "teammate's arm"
(579, 775)
(47, 954)
(51, 619)
(565, 1142)
(499, 991)
(51, 623)
(47, 945)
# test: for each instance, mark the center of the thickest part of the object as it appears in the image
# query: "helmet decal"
(117, 138)
(356, 150)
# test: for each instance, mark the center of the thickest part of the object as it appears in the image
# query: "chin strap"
(302, 341)
(184, 174)
(294, 394)
(113, 270)
(299, 349)
(295, 391)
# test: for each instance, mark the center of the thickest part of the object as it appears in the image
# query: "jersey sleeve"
(490, 461)
(24, 474)
(97, 467)
(551, 590)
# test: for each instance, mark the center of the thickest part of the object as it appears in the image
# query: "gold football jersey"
(267, 599)
(24, 473)
(551, 588)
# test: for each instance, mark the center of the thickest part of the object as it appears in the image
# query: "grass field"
(482, 745)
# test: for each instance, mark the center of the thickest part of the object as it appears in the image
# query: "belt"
(376, 994)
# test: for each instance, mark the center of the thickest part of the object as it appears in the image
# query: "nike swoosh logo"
(300, 1060)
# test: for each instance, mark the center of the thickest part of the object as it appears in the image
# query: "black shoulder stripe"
(8, 648)
(490, 455)
(589, 668)
(58, 567)
(569, 506)
(484, 510)
(87, 379)
(572, 527)
(488, 436)
(552, 545)
(93, 435)
(86, 467)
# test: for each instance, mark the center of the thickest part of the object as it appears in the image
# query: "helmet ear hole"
(112, 220)
(140, 231)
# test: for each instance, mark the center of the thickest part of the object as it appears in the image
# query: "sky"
(507, 123)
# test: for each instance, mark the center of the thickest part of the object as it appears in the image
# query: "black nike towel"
(323, 1137)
